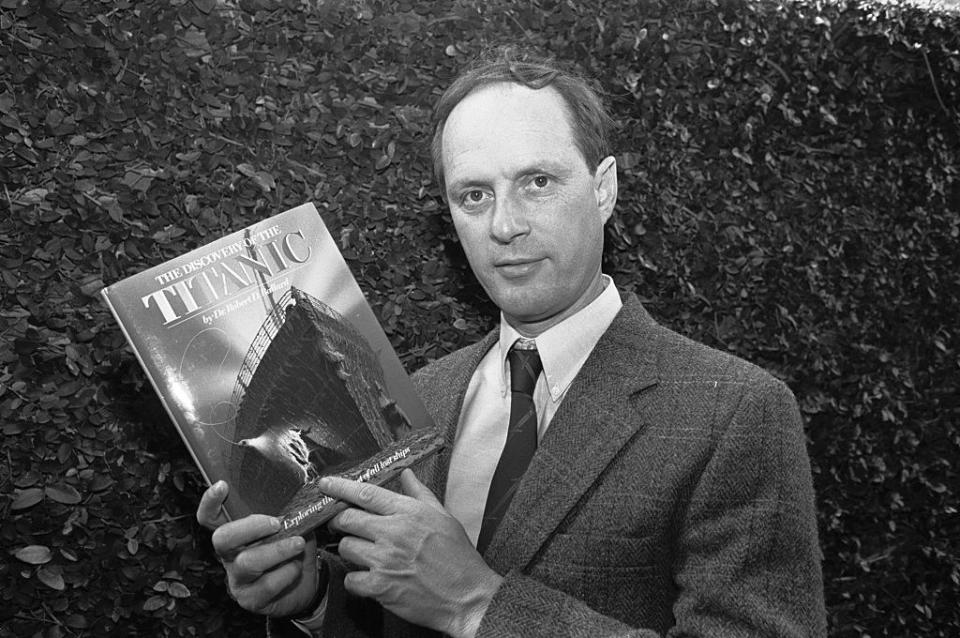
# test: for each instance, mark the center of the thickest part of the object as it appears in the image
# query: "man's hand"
(419, 562)
(276, 578)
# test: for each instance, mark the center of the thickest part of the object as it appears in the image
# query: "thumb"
(210, 512)
(414, 488)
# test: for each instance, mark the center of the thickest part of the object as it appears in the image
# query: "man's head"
(528, 202)
(586, 113)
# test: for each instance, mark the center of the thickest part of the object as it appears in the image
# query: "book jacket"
(273, 368)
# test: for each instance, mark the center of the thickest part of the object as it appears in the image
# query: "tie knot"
(525, 367)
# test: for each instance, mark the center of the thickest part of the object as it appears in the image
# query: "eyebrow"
(464, 184)
(531, 168)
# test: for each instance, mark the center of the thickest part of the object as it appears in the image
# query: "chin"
(525, 311)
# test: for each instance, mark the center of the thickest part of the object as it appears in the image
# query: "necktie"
(521, 442)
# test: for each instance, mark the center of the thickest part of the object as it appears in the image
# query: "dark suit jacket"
(671, 495)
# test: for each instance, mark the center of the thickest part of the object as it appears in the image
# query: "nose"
(509, 220)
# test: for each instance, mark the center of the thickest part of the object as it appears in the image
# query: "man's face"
(527, 208)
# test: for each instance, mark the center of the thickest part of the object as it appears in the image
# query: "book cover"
(273, 368)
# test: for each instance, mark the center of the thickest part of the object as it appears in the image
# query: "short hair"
(588, 117)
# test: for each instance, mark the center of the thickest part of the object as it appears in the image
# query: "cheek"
(579, 229)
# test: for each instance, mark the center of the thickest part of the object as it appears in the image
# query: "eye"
(474, 199)
(541, 181)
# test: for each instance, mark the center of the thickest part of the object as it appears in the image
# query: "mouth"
(518, 267)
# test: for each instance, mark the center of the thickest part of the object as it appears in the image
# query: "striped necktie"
(521, 442)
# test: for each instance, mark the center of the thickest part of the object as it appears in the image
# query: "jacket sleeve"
(747, 557)
(343, 615)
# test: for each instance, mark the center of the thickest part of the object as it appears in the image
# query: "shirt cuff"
(315, 620)
(306, 623)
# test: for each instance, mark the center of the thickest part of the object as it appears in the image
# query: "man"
(670, 491)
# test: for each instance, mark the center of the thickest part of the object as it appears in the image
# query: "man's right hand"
(276, 578)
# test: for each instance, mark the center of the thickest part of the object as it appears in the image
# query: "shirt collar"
(565, 347)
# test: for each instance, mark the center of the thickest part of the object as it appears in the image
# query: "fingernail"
(296, 543)
(323, 484)
(220, 485)
(275, 523)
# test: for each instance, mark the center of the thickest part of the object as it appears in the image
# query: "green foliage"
(789, 192)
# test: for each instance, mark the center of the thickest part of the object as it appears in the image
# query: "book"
(273, 368)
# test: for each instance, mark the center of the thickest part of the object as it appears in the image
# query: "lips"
(515, 261)
(517, 267)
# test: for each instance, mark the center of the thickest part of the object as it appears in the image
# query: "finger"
(370, 497)
(357, 522)
(231, 537)
(358, 551)
(253, 562)
(364, 583)
(269, 587)
(413, 487)
(210, 512)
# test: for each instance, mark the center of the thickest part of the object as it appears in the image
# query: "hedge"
(789, 193)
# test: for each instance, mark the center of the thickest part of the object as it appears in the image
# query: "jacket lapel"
(596, 419)
(454, 380)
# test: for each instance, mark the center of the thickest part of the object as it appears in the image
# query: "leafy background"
(790, 193)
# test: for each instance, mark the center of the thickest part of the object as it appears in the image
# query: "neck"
(535, 328)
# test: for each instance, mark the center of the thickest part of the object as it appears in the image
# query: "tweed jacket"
(670, 496)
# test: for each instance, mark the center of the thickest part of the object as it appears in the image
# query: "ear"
(605, 186)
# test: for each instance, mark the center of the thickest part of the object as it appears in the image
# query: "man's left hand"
(418, 561)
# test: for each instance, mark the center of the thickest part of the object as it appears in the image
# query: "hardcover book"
(273, 368)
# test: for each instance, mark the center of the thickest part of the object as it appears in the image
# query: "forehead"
(502, 126)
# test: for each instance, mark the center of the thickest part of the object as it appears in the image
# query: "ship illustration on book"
(311, 402)
(273, 368)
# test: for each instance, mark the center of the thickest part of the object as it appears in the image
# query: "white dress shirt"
(482, 429)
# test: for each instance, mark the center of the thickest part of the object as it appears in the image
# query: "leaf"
(154, 603)
(743, 157)
(100, 482)
(195, 41)
(28, 478)
(26, 498)
(54, 118)
(33, 196)
(52, 578)
(65, 494)
(64, 451)
(246, 170)
(167, 234)
(188, 158)
(76, 621)
(265, 181)
(34, 554)
(112, 207)
(12, 429)
(204, 6)
(178, 590)
(828, 116)
(140, 178)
